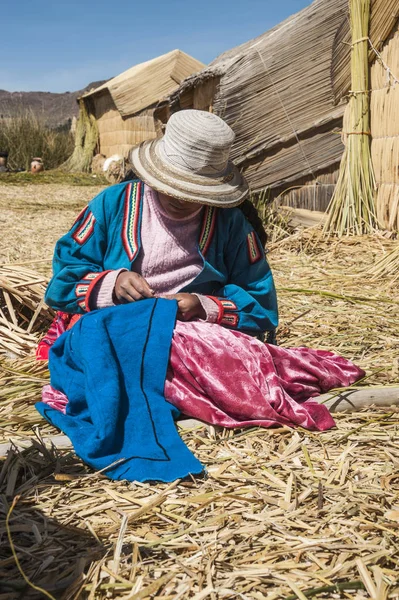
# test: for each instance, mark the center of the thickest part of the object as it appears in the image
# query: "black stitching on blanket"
(142, 383)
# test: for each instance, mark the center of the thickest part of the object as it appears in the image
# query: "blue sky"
(57, 46)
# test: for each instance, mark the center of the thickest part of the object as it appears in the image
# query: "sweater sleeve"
(102, 295)
(210, 307)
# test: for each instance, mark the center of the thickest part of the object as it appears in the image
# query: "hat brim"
(229, 190)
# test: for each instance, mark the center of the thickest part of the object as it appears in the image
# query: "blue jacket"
(106, 236)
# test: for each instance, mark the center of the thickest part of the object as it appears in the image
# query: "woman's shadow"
(38, 488)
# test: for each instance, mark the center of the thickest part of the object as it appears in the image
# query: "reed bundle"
(385, 149)
(23, 314)
(86, 137)
(352, 207)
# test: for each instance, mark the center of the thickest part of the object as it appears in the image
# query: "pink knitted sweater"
(168, 258)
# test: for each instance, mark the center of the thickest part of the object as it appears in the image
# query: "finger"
(138, 285)
(129, 293)
(135, 281)
(126, 297)
(184, 314)
(134, 294)
(180, 316)
(143, 288)
(183, 305)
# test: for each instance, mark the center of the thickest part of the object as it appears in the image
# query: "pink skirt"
(228, 378)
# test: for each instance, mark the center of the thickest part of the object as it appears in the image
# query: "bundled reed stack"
(23, 313)
(86, 137)
(352, 207)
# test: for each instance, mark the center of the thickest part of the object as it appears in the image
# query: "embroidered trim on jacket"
(223, 304)
(93, 283)
(220, 308)
(130, 231)
(230, 319)
(228, 304)
(90, 276)
(81, 289)
(85, 230)
(254, 252)
(208, 229)
(82, 305)
(84, 288)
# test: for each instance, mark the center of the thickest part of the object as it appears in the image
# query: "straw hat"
(191, 161)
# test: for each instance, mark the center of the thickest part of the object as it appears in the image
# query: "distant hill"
(55, 109)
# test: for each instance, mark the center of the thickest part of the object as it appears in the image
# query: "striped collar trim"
(132, 218)
(208, 229)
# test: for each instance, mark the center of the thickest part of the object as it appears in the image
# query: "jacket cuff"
(102, 295)
(84, 289)
(227, 311)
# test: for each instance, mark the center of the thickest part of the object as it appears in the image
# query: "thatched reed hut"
(284, 94)
(123, 107)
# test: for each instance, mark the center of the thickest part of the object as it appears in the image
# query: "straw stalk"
(23, 314)
(387, 267)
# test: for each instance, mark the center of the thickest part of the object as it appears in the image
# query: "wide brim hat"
(191, 161)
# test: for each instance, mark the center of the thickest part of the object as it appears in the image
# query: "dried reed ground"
(282, 514)
(33, 217)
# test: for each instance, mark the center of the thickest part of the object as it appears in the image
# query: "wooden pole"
(354, 400)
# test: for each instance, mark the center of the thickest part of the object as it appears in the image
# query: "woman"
(175, 234)
(173, 241)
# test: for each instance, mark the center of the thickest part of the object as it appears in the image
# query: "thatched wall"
(274, 91)
(307, 192)
(385, 132)
(284, 95)
(118, 134)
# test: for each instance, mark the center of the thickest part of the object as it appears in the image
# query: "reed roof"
(146, 83)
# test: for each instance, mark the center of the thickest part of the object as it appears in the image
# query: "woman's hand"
(189, 306)
(130, 287)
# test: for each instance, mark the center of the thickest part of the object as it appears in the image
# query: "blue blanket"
(112, 367)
